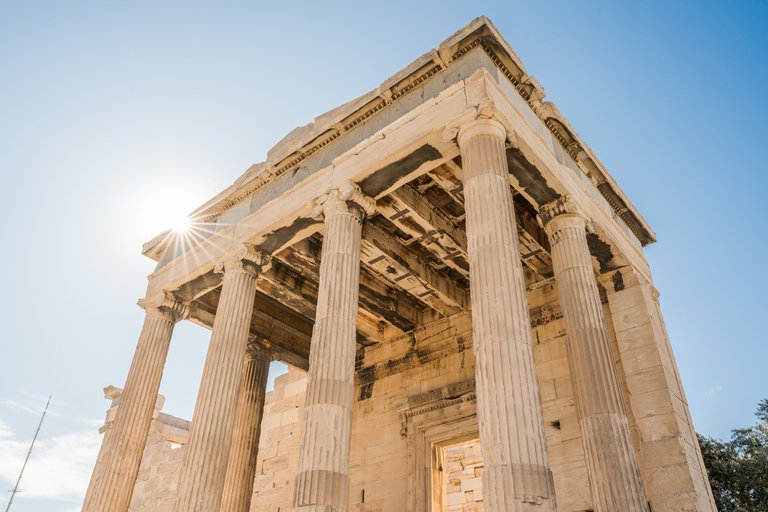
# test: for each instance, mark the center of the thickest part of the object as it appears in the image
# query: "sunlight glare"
(181, 225)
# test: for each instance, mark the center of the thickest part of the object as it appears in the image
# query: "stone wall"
(423, 366)
(463, 478)
(566, 454)
(279, 443)
(155, 488)
(385, 435)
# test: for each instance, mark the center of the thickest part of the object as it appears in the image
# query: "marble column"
(241, 467)
(322, 482)
(509, 413)
(614, 475)
(112, 481)
(203, 470)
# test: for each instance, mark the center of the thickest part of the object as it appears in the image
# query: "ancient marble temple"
(459, 287)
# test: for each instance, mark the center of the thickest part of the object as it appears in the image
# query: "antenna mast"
(15, 489)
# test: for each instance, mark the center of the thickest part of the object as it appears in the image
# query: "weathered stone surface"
(279, 449)
(241, 466)
(114, 477)
(155, 489)
(614, 474)
(406, 357)
(464, 473)
(322, 483)
(203, 472)
(379, 453)
(675, 475)
(517, 473)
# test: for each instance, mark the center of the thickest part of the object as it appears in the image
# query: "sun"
(182, 225)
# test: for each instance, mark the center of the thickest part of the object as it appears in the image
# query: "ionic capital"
(561, 213)
(245, 258)
(345, 199)
(165, 305)
(481, 126)
(257, 352)
(486, 119)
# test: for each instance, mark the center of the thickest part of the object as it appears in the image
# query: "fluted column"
(203, 470)
(322, 482)
(614, 475)
(113, 480)
(241, 467)
(509, 413)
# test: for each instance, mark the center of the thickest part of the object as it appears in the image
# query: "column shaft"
(204, 467)
(614, 474)
(509, 412)
(322, 482)
(113, 480)
(241, 467)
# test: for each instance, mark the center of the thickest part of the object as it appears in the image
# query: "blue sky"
(117, 118)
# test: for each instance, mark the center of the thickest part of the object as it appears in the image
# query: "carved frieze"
(545, 314)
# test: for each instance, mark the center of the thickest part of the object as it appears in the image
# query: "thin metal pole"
(15, 489)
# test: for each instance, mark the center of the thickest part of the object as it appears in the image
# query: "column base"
(321, 488)
(506, 481)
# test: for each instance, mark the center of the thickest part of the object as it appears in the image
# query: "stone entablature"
(450, 60)
(431, 153)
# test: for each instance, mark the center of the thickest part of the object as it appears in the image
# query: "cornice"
(154, 248)
(303, 142)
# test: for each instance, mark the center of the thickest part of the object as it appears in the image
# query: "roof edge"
(302, 142)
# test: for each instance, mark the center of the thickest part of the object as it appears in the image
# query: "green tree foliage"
(738, 469)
